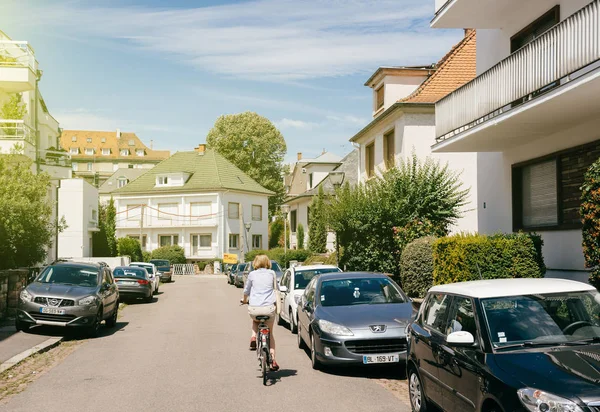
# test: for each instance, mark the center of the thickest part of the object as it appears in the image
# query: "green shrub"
(463, 257)
(590, 216)
(275, 233)
(317, 229)
(416, 266)
(254, 253)
(146, 256)
(174, 254)
(280, 256)
(300, 235)
(127, 246)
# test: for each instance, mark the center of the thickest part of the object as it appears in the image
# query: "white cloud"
(81, 119)
(295, 124)
(271, 40)
(349, 119)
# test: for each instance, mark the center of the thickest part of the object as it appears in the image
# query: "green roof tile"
(210, 171)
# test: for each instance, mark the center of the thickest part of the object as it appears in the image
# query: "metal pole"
(285, 239)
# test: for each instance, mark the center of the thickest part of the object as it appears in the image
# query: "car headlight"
(89, 300)
(334, 328)
(535, 401)
(297, 299)
(26, 296)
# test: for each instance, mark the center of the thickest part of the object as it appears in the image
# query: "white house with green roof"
(197, 200)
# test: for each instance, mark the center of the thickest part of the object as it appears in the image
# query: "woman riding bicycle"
(260, 294)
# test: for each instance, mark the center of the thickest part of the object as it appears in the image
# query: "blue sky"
(167, 69)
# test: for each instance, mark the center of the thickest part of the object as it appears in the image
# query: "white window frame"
(122, 181)
(260, 242)
(124, 152)
(165, 211)
(74, 150)
(198, 237)
(90, 167)
(235, 215)
(172, 241)
(235, 236)
(137, 237)
(134, 212)
(74, 166)
(89, 140)
(105, 152)
(89, 152)
(257, 216)
(73, 138)
(140, 152)
(162, 180)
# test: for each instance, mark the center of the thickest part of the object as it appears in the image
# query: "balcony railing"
(55, 158)
(548, 61)
(16, 130)
(17, 54)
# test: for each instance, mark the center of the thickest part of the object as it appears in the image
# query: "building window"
(105, 152)
(103, 140)
(535, 29)
(256, 241)
(134, 212)
(89, 167)
(74, 138)
(122, 181)
(131, 142)
(538, 197)
(89, 152)
(167, 211)
(370, 160)
(293, 220)
(124, 152)
(389, 149)
(130, 166)
(256, 212)
(94, 215)
(203, 241)
(233, 210)
(379, 94)
(74, 150)
(310, 180)
(74, 166)
(140, 152)
(234, 240)
(137, 237)
(168, 240)
(89, 140)
(161, 180)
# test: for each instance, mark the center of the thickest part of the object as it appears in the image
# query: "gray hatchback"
(70, 294)
(133, 282)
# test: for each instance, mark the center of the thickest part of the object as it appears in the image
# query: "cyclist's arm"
(247, 289)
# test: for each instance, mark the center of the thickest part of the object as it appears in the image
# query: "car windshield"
(69, 275)
(148, 268)
(241, 268)
(545, 318)
(129, 272)
(302, 277)
(275, 266)
(359, 291)
(161, 262)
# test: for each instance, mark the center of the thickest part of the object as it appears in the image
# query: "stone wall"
(11, 283)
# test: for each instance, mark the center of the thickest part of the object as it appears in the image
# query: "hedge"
(416, 264)
(174, 254)
(127, 246)
(462, 257)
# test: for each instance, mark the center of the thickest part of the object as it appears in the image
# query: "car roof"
(492, 288)
(141, 263)
(93, 265)
(313, 267)
(129, 267)
(350, 275)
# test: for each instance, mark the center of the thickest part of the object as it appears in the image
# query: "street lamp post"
(247, 226)
(337, 178)
(285, 210)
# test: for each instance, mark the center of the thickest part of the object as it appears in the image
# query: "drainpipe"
(38, 76)
(56, 221)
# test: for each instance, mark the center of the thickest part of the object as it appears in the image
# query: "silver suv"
(70, 294)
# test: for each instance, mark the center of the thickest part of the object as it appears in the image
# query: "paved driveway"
(187, 351)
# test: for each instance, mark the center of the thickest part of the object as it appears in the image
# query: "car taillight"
(142, 282)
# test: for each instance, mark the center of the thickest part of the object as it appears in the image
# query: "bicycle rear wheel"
(264, 368)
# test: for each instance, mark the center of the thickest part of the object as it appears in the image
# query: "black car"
(506, 345)
(163, 266)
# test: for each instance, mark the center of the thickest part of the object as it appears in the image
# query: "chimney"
(118, 133)
(324, 151)
(200, 149)
(468, 31)
(299, 155)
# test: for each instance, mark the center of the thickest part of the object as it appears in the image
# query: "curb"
(42, 347)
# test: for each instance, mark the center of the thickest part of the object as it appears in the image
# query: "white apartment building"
(78, 204)
(197, 200)
(533, 110)
(404, 120)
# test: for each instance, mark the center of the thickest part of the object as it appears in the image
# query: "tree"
(99, 241)
(174, 254)
(110, 226)
(252, 143)
(300, 235)
(13, 109)
(127, 246)
(590, 215)
(275, 233)
(375, 220)
(26, 226)
(317, 228)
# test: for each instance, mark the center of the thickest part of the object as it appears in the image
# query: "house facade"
(96, 155)
(404, 121)
(197, 200)
(534, 108)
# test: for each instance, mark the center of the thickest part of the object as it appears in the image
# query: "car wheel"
(112, 321)
(293, 325)
(22, 326)
(416, 394)
(300, 340)
(313, 354)
(148, 298)
(94, 328)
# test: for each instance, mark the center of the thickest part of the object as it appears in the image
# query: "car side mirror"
(460, 339)
(283, 288)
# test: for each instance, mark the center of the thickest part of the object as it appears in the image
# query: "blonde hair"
(261, 261)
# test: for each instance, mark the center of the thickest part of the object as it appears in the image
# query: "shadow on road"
(139, 301)
(71, 334)
(275, 377)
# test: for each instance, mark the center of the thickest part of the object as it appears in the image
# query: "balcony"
(55, 158)
(547, 85)
(475, 14)
(17, 132)
(18, 67)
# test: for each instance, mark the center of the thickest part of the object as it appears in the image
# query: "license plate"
(52, 311)
(127, 283)
(368, 359)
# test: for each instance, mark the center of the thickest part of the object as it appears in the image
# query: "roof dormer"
(172, 179)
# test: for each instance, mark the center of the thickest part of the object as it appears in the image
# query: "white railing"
(16, 130)
(183, 269)
(566, 48)
(17, 54)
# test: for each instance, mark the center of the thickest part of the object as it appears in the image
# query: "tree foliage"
(300, 236)
(369, 217)
(252, 143)
(127, 246)
(104, 241)
(26, 226)
(13, 109)
(275, 233)
(110, 225)
(317, 228)
(590, 215)
(174, 254)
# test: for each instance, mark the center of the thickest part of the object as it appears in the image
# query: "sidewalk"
(13, 343)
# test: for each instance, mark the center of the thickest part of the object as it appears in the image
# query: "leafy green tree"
(174, 254)
(110, 226)
(13, 109)
(369, 217)
(26, 224)
(99, 241)
(317, 228)
(300, 235)
(252, 143)
(590, 215)
(127, 246)
(275, 233)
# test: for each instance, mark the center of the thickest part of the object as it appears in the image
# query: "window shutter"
(540, 195)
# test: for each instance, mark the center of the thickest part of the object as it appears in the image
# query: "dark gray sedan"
(354, 318)
(133, 282)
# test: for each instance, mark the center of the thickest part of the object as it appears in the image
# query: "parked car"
(231, 273)
(354, 318)
(163, 267)
(134, 282)
(70, 294)
(292, 287)
(507, 345)
(152, 271)
(239, 279)
(274, 267)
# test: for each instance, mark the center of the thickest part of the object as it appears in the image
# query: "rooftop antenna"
(479, 271)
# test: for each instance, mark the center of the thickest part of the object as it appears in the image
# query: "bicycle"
(263, 346)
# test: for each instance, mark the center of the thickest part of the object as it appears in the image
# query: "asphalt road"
(187, 351)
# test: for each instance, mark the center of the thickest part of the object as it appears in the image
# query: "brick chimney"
(118, 133)
(200, 149)
(468, 31)
(299, 155)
